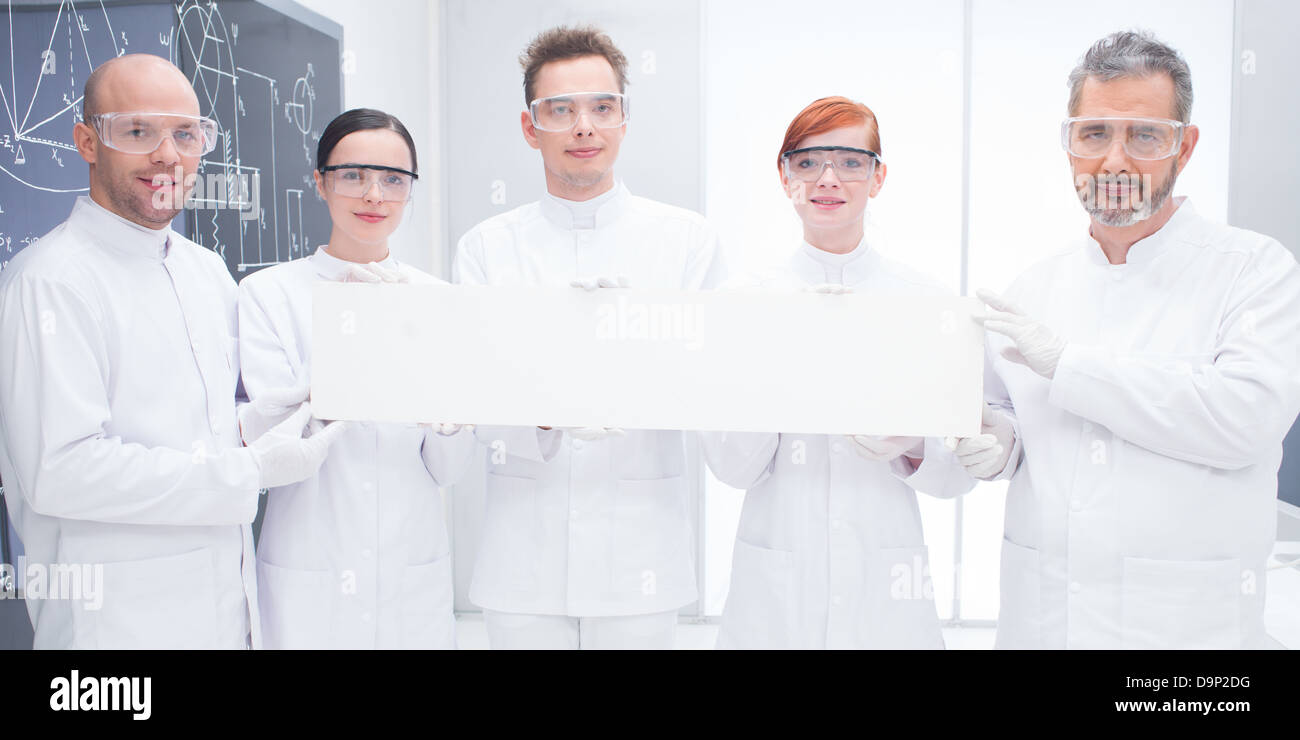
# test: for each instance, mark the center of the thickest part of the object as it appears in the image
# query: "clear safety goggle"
(561, 112)
(355, 180)
(1142, 138)
(142, 133)
(849, 163)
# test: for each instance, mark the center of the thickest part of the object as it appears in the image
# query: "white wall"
(391, 63)
(899, 57)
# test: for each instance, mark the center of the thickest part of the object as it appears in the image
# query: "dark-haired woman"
(357, 556)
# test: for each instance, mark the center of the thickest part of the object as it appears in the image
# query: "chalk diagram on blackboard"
(34, 140)
(205, 43)
(41, 101)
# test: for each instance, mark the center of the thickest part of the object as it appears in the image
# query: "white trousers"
(508, 631)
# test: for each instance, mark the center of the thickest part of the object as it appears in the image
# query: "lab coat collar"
(810, 263)
(611, 205)
(1145, 251)
(110, 229)
(332, 268)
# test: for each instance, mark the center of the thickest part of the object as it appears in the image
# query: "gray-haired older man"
(1152, 388)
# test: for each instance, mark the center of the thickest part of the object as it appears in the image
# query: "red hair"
(828, 114)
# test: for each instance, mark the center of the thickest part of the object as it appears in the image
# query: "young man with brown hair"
(587, 535)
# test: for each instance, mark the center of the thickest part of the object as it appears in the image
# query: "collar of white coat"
(1144, 251)
(810, 263)
(114, 231)
(332, 268)
(594, 213)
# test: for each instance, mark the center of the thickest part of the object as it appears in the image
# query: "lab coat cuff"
(1072, 387)
(248, 480)
(548, 443)
(743, 445)
(740, 459)
(931, 476)
(447, 456)
(1013, 461)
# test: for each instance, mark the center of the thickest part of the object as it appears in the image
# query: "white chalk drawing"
(299, 110)
(205, 43)
(64, 65)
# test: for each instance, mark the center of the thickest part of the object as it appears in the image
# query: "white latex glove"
(886, 448)
(268, 409)
(283, 456)
(1036, 346)
(831, 288)
(447, 430)
(374, 272)
(599, 281)
(592, 434)
(986, 454)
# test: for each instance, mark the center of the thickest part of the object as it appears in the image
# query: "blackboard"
(267, 70)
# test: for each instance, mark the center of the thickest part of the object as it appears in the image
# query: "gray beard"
(1151, 204)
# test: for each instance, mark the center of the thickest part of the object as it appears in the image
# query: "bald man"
(120, 444)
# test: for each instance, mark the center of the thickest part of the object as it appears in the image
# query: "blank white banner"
(648, 359)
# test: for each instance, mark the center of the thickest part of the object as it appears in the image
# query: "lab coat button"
(1075, 588)
(577, 444)
(1076, 505)
(367, 486)
(365, 617)
(835, 524)
(365, 553)
(836, 600)
(837, 448)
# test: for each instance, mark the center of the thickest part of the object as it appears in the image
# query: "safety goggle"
(1142, 138)
(561, 112)
(849, 163)
(143, 133)
(355, 180)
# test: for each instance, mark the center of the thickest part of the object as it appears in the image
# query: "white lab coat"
(119, 446)
(588, 529)
(1145, 505)
(829, 553)
(357, 556)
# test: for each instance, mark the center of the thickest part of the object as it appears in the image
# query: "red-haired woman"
(830, 553)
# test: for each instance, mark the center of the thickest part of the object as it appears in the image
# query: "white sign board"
(648, 359)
